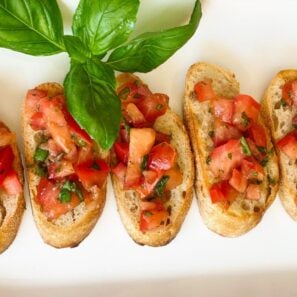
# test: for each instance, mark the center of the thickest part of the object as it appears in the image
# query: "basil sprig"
(35, 27)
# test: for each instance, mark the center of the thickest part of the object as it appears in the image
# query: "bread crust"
(12, 207)
(226, 222)
(275, 119)
(59, 235)
(128, 202)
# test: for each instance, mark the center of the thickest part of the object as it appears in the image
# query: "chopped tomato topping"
(141, 142)
(122, 151)
(238, 181)
(134, 116)
(85, 154)
(222, 192)
(288, 145)
(175, 179)
(258, 135)
(161, 157)
(252, 170)
(6, 161)
(60, 169)
(120, 172)
(289, 92)
(133, 91)
(223, 109)
(223, 132)
(32, 99)
(225, 158)
(204, 91)
(253, 192)
(153, 106)
(149, 181)
(37, 121)
(162, 137)
(11, 183)
(246, 110)
(6, 137)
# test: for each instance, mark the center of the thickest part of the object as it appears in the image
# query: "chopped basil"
(160, 186)
(245, 119)
(71, 186)
(64, 196)
(230, 156)
(245, 147)
(40, 170)
(208, 160)
(264, 161)
(262, 149)
(143, 164)
(211, 133)
(78, 141)
(159, 106)
(40, 155)
(124, 93)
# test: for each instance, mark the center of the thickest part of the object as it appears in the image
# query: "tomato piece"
(246, 110)
(6, 161)
(32, 99)
(223, 132)
(85, 154)
(6, 137)
(225, 158)
(161, 157)
(288, 145)
(141, 142)
(134, 116)
(289, 92)
(60, 169)
(253, 192)
(224, 109)
(11, 183)
(152, 218)
(175, 179)
(222, 192)
(124, 132)
(153, 106)
(133, 90)
(37, 121)
(120, 172)
(149, 180)
(52, 147)
(122, 151)
(204, 91)
(162, 137)
(89, 176)
(258, 135)
(252, 170)
(238, 181)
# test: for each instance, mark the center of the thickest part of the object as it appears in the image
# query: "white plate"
(255, 39)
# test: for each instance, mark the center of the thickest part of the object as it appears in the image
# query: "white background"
(254, 39)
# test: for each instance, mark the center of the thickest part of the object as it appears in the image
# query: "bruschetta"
(280, 112)
(236, 165)
(12, 202)
(152, 167)
(66, 170)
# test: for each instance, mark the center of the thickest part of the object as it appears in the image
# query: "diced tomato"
(32, 99)
(161, 157)
(253, 192)
(246, 110)
(252, 170)
(289, 92)
(288, 145)
(162, 137)
(148, 183)
(11, 183)
(47, 197)
(60, 169)
(148, 205)
(6, 161)
(204, 91)
(225, 158)
(52, 147)
(258, 135)
(223, 109)
(85, 154)
(122, 151)
(6, 137)
(222, 192)
(238, 181)
(254, 150)
(153, 106)
(89, 176)
(120, 172)
(175, 179)
(134, 116)
(223, 132)
(124, 133)
(37, 121)
(141, 142)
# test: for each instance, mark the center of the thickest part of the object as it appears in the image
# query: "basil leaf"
(92, 101)
(76, 49)
(245, 147)
(105, 24)
(149, 50)
(160, 186)
(32, 27)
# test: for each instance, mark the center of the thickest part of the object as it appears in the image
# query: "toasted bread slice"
(11, 206)
(279, 119)
(128, 201)
(243, 214)
(71, 228)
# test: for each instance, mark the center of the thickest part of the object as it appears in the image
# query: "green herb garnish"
(160, 186)
(245, 147)
(40, 170)
(70, 186)
(262, 149)
(40, 155)
(143, 164)
(64, 196)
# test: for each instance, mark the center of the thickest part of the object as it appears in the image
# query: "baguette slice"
(279, 119)
(71, 228)
(243, 214)
(128, 201)
(11, 206)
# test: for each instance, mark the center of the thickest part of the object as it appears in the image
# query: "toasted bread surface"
(243, 214)
(128, 201)
(11, 206)
(279, 119)
(71, 228)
